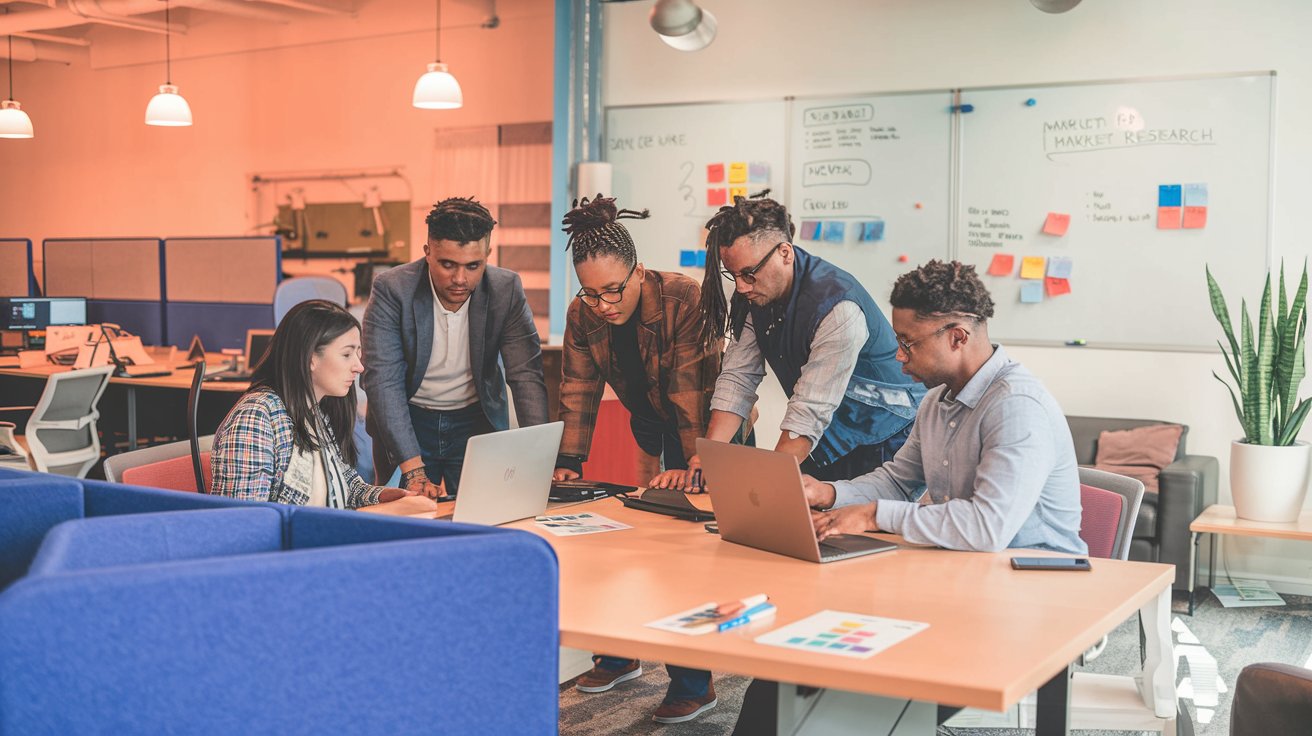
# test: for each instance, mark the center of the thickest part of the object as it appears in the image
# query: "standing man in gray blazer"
(437, 334)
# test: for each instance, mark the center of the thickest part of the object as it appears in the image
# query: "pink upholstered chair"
(1110, 505)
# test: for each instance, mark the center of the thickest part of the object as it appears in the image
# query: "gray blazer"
(398, 339)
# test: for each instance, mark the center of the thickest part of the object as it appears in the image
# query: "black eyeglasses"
(610, 296)
(749, 276)
(906, 346)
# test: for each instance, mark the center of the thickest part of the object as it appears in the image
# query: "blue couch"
(131, 610)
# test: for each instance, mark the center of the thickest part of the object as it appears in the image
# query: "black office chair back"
(193, 406)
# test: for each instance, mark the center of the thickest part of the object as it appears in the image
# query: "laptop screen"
(257, 344)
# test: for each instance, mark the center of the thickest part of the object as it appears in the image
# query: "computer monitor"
(38, 313)
(257, 344)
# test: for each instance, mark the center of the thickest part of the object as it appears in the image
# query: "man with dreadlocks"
(850, 406)
(641, 331)
(433, 333)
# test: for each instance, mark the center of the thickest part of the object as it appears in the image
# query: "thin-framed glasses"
(749, 276)
(610, 296)
(906, 346)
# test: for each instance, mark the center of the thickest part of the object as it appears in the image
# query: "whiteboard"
(675, 161)
(1099, 153)
(869, 179)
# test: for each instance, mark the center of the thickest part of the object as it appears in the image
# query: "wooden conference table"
(995, 634)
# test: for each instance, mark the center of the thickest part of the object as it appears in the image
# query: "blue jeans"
(685, 684)
(442, 438)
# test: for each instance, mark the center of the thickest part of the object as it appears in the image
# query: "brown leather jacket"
(681, 370)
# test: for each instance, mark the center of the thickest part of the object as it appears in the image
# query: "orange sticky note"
(1195, 217)
(1032, 267)
(738, 172)
(1002, 264)
(1056, 224)
(714, 173)
(1168, 218)
(1057, 287)
(737, 192)
(716, 197)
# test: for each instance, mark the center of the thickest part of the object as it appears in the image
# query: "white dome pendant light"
(437, 89)
(14, 123)
(168, 108)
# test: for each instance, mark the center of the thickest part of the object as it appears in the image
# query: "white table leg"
(1157, 683)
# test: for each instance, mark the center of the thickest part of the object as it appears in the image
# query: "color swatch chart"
(852, 635)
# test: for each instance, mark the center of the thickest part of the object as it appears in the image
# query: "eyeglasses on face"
(906, 346)
(749, 276)
(610, 296)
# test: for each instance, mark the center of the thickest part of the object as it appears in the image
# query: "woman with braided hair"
(641, 331)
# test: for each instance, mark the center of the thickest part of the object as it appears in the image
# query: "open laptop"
(507, 475)
(257, 344)
(759, 503)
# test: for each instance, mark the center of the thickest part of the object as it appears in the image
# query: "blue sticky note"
(1168, 195)
(834, 232)
(810, 230)
(758, 172)
(687, 258)
(1031, 292)
(1195, 195)
(872, 231)
(701, 259)
(1059, 267)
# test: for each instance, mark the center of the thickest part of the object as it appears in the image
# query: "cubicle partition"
(16, 276)
(218, 288)
(121, 278)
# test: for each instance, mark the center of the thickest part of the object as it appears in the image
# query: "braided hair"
(594, 230)
(460, 220)
(746, 216)
(943, 287)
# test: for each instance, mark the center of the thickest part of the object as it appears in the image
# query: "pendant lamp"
(437, 89)
(683, 25)
(168, 108)
(14, 123)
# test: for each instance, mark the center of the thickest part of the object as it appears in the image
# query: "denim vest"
(880, 401)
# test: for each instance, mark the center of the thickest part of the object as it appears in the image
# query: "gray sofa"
(1186, 487)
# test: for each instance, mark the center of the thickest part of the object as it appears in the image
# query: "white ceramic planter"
(1269, 483)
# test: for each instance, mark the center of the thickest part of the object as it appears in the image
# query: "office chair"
(167, 466)
(293, 291)
(1272, 700)
(61, 431)
(1110, 503)
(193, 407)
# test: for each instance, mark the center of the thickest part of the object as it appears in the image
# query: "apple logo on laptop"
(754, 498)
(510, 473)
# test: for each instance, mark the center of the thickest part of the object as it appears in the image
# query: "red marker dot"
(902, 259)
(920, 206)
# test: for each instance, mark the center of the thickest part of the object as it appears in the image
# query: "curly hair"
(459, 219)
(942, 287)
(594, 230)
(755, 215)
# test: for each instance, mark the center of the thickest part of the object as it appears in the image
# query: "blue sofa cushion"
(30, 504)
(318, 527)
(109, 541)
(107, 499)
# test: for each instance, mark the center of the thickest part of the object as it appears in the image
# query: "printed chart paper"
(852, 635)
(571, 525)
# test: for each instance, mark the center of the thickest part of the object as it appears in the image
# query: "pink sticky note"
(1002, 264)
(1168, 218)
(1056, 224)
(717, 197)
(1057, 287)
(714, 173)
(1195, 217)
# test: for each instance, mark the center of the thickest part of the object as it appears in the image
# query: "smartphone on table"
(1050, 563)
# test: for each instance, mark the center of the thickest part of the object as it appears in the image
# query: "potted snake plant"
(1268, 465)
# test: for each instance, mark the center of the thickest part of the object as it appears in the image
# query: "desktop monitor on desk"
(38, 313)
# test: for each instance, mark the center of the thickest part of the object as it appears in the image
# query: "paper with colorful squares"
(852, 635)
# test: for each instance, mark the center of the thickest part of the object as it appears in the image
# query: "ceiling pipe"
(113, 13)
(26, 50)
(52, 38)
(327, 7)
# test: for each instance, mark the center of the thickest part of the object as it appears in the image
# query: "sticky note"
(738, 172)
(687, 258)
(1168, 218)
(810, 230)
(1057, 287)
(1031, 267)
(1168, 195)
(1002, 264)
(1195, 195)
(1059, 267)
(1195, 217)
(1056, 223)
(735, 192)
(714, 173)
(872, 231)
(1031, 292)
(834, 232)
(701, 259)
(758, 172)
(717, 197)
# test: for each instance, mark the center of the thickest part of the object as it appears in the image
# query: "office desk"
(179, 379)
(995, 634)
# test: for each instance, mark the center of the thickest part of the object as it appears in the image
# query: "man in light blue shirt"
(990, 463)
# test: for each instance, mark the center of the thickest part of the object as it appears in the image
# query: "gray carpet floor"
(1235, 637)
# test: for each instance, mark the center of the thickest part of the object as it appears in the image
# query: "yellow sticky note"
(1032, 267)
(737, 192)
(738, 172)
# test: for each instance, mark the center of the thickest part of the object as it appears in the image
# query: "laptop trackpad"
(854, 542)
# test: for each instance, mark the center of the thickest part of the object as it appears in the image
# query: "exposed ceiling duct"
(27, 50)
(129, 13)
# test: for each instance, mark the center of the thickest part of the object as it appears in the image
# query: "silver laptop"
(759, 503)
(507, 475)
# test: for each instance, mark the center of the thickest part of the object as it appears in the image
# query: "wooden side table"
(1217, 519)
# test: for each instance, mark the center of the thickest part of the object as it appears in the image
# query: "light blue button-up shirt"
(995, 464)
